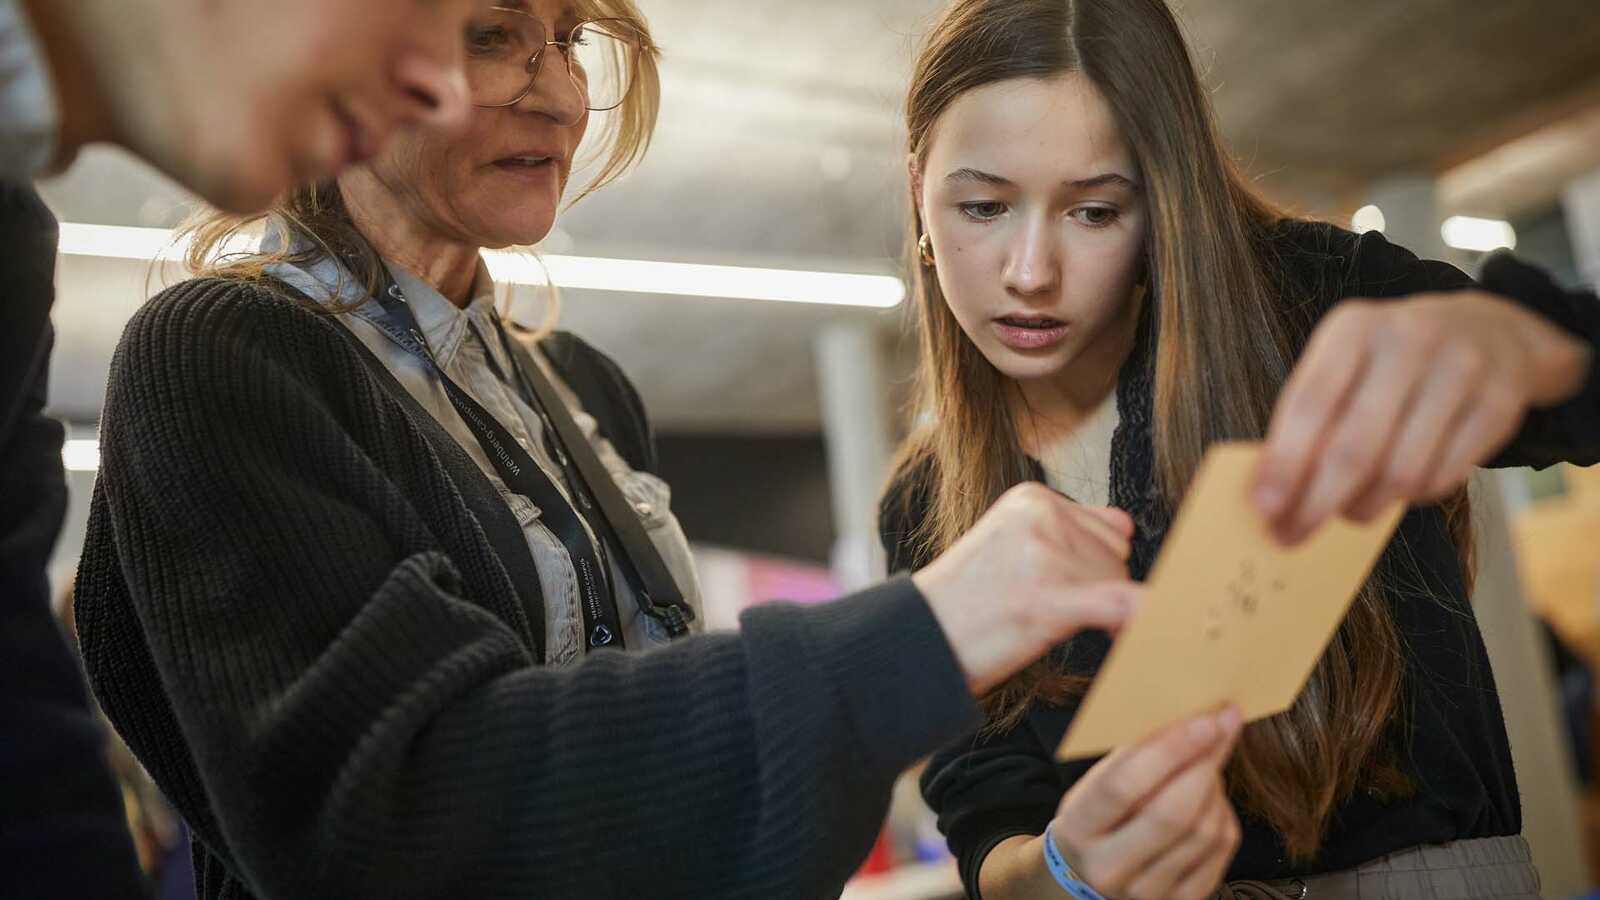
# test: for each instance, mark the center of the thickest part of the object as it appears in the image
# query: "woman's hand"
(1154, 820)
(1399, 400)
(1036, 569)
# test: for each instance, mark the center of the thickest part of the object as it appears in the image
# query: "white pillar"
(855, 425)
(1529, 699)
(1580, 200)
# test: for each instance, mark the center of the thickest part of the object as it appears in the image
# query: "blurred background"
(1454, 126)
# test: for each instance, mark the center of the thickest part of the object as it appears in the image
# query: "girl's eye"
(1095, 216)
(982, 210)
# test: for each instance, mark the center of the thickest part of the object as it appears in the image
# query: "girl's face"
(1037, 220)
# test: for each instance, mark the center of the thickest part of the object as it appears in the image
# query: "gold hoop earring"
(925, 249)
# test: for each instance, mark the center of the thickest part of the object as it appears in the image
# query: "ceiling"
(1319, 98)
(780, 144)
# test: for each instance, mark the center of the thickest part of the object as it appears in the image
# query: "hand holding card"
(1229, 615)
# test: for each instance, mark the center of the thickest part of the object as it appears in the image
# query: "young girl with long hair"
(1101, 296)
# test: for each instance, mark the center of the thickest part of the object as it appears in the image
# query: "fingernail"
(1292, 532)
(1268, 496)
(1229, 719)
(1203, 729)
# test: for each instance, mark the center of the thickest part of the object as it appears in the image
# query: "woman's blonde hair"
(316, 213)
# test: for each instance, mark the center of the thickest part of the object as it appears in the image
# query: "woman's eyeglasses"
(506, 47)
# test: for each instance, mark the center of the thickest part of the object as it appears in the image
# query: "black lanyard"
(590, 485)
(602, 624)
(641, 563)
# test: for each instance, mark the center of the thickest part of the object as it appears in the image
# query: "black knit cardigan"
(316, 624)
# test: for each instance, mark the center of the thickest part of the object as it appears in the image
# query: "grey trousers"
(1499, 868)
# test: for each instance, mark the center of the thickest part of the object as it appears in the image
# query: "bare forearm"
(1015, 870)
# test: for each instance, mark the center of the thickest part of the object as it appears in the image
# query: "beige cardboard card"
(1230, 616)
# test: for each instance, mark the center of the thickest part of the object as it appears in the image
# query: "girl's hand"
(1399, 400)
(1154, 819)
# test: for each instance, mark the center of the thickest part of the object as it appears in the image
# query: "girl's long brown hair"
(1225, 335)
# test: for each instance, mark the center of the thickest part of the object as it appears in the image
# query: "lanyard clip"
(675, 618)
(422, 344)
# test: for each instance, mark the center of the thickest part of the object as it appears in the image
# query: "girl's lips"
(1030, 335)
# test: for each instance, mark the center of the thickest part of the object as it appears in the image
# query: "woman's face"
(1037, 221)
(498, 182)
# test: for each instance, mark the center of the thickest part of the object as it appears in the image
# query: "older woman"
(361, 560)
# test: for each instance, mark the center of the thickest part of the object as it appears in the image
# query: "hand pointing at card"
(1400, 400)
(1051, 568)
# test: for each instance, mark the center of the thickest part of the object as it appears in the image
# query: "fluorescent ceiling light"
(568, 272)
(634, 276)
(1483, 235)
(81, 455)
(125, 242)
(119, 242)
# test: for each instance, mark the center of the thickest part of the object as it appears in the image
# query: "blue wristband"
(1063, 874)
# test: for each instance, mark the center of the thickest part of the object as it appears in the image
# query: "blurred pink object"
(771, 578)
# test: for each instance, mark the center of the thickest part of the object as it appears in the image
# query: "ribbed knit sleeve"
(351, 682)
(1567, 432)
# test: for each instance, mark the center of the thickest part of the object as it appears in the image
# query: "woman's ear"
(914, 178)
